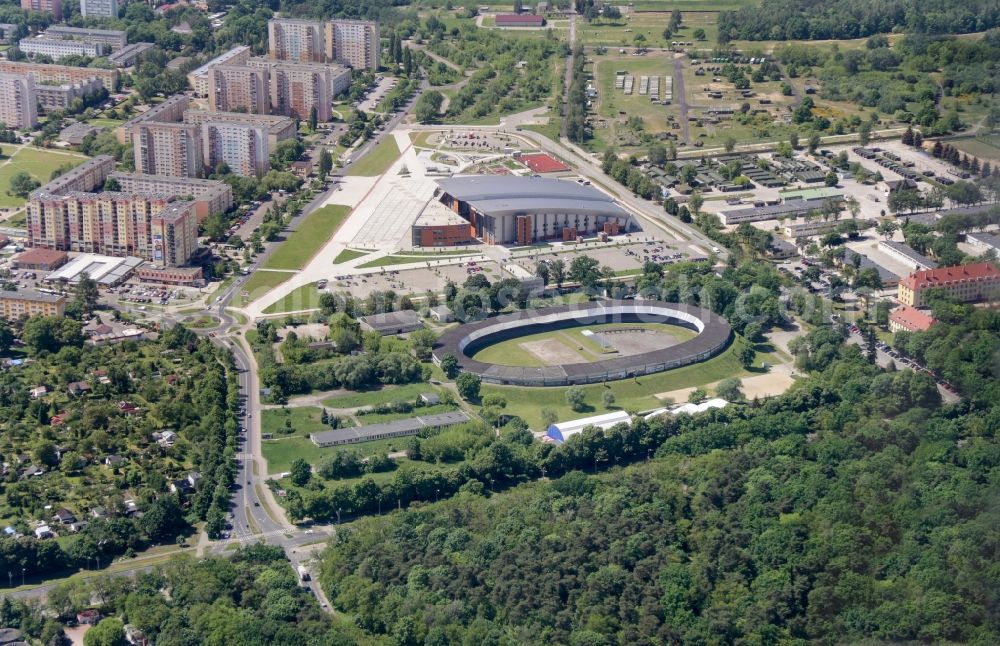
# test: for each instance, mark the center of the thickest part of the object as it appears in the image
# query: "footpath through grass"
(378, 160)
(310, 236)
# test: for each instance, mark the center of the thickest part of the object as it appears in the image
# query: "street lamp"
(338, 516)
(22, 576)
(436, 492)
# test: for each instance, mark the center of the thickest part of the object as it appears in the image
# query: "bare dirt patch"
(552, 352)
(639, 341)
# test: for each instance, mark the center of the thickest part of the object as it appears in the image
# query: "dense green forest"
(852, 508)
(836, 19)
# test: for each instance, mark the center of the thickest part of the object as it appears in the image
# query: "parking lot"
(383, 86)
(626, 253)
(415, 282)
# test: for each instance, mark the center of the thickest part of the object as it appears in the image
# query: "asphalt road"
(680, 98)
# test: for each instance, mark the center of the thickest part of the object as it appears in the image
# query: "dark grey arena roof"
(714, 335)
(499, 194)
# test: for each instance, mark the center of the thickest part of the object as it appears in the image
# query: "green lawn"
(378, 160)
(304, 419)
(38, 162)
(586, 349)
(259, 284)
(347, 255)
(987, 147)
(281, 453)
(104, 121)
(406, 392)
(379, 418)
(630, 394)
(301, 298)
(310, 236)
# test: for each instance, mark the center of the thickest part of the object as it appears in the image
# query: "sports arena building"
(510, 210)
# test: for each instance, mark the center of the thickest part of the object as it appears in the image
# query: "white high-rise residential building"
(353, 42)
(18, 104)
(295, 40)
(243, 147)
(238, 88)
(99, 8)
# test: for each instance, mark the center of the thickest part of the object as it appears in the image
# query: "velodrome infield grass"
(511, 353)
(310, 236)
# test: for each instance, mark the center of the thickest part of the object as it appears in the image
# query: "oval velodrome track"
(714, 334)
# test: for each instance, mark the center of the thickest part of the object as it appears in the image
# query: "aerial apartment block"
(64, 215)
(113, 38)
(353, 42)
(210, 197)
(199, 78)
(242, 147)
(297, 87)
(162, 144)
(238, 88)
(295, 40)
(965, 283)
(60, 97)
(60, 74)
(349, 42)
(172, 140)
(14, 305)
(58, 49)
(277, 127)
(53, 7)
(99, 8)
(18, 103)
(162, 148)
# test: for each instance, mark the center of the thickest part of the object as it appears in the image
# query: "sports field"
(584, 344)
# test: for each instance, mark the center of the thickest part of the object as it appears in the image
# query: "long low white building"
(562, 431)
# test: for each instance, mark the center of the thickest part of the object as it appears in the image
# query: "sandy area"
(76, 633)
(771, 384)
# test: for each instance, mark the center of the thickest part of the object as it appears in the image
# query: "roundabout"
(638, 357)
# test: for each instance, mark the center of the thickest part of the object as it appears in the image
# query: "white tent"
(562, 431)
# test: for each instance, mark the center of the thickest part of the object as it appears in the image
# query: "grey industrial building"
(889, 278)
(387, 430)
(386, 323)
(907, 255)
